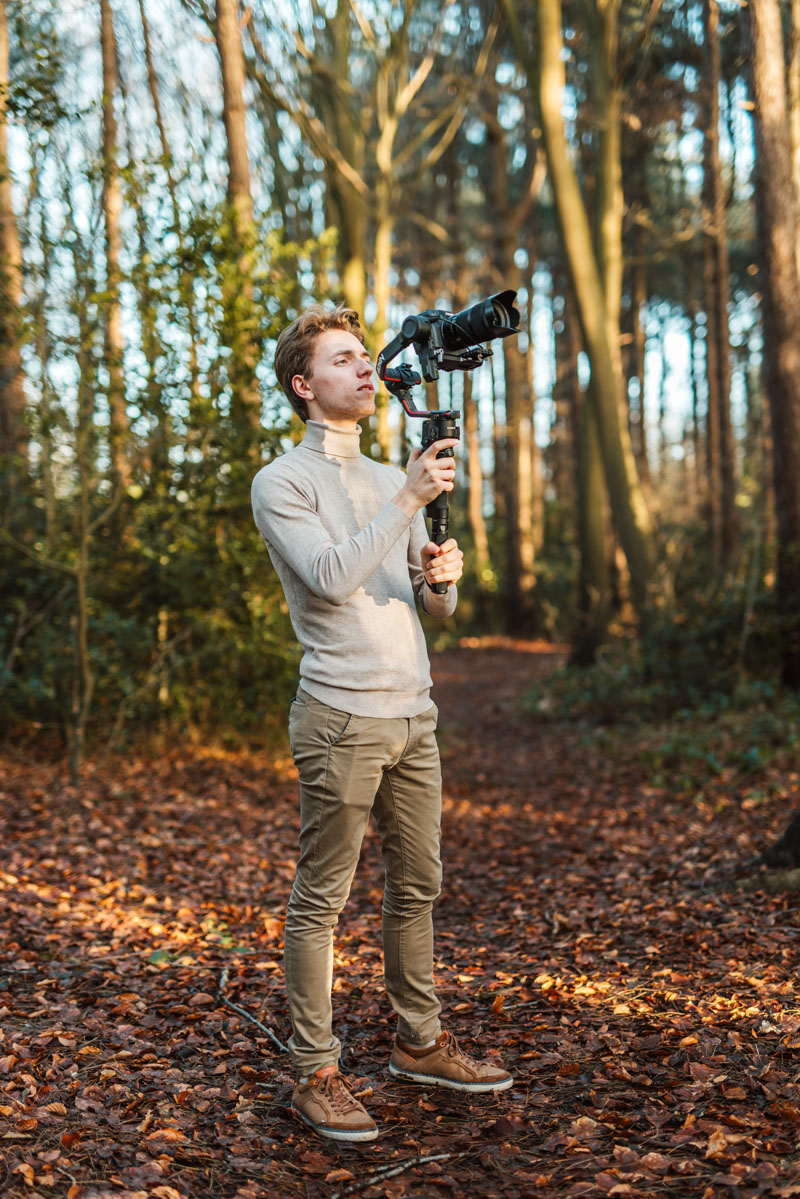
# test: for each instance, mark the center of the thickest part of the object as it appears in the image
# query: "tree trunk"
(240, 317)
(112, 210)
(794, 105)
(185, 282)
(627, 502)
(534, 452)
(563, 449)
(477, 522)
(776, 212)
(639, 346)
(594, 590)
(518, 473)
(522, 580)
(722, 474)
(47, 409)
(381, 288)
(13, 436)
(85, 455)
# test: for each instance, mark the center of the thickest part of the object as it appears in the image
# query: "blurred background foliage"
(179, 180)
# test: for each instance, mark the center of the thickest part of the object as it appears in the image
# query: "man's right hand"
(426, 477)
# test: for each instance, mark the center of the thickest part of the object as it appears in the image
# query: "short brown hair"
(295, 347)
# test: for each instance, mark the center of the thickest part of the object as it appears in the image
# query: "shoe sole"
(436, 1080)
(336, 1134)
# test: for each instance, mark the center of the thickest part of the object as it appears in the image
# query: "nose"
(364, 367)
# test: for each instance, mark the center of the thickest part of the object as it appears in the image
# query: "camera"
(444, 341)
(452, 340)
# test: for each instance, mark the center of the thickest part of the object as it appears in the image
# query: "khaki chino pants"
(350, 766)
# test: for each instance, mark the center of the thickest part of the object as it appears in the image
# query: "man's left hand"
(442, 563)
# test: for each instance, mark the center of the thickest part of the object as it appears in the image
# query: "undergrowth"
(700, 726)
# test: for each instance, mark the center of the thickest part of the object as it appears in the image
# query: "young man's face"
(338, 386)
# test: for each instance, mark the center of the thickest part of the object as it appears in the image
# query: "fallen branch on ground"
(277, 1042)
(391, 1172)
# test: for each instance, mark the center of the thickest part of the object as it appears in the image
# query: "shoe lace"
(453, 1049)
(335, 1089)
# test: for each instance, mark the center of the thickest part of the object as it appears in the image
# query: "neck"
(343, 424)
(339, 439)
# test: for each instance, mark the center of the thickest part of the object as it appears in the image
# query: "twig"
(242, 1012)
(391, 1172)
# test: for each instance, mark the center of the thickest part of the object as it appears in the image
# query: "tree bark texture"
(340, 116)
(239, 318)
(594, 591)
(721, 449)
(13, 437)
(112, 211)
(776, 212)
(639, 347)
(794, 104)
(477, 521)
(185, 283)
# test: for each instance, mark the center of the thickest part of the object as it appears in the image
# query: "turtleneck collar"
(335, 443)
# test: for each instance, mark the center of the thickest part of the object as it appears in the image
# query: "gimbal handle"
(437, 426)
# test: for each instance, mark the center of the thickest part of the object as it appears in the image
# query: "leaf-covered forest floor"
(588, 936)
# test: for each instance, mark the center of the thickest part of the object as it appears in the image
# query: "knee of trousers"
(410, 899)
(313, 911)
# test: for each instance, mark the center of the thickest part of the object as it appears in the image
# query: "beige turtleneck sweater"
(349, 562)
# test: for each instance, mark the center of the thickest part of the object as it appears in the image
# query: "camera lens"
(495, 317)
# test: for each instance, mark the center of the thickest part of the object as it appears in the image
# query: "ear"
(302, 388)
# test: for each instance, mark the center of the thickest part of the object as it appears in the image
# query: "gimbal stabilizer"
(444, 341)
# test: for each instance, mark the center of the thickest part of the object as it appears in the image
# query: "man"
(348, 540)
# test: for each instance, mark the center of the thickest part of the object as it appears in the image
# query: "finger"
(445, 570)
(444, 444)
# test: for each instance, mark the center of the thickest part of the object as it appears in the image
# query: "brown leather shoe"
(329, 1107)
(446, 1065)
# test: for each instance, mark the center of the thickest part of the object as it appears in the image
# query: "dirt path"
(652, 1021)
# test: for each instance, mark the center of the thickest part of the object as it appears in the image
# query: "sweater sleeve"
(429, 601)
(287, 519)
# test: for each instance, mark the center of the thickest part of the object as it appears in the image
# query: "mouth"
(367, 387)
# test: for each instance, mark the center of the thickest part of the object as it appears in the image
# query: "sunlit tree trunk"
(383, 265)
(185, 283)
(535, 453)
(239, 317)
(794, 104)
(630, 512)
(338, 110)
(721, 450)
(48, 406)
(13, 436)
(112, 211)
(776, 211)
(85, 460)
